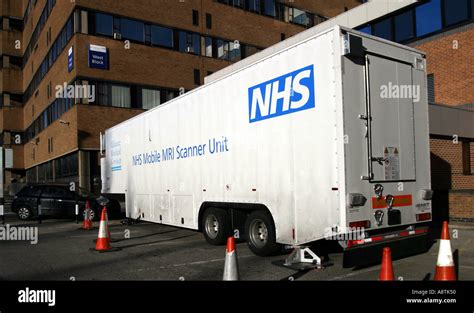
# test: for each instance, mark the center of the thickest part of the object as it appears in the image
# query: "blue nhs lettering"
(286, 94)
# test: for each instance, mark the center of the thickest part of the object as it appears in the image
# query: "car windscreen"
(29, 191)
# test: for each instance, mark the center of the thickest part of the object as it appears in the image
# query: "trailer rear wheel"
(260, 234)
(216, 226)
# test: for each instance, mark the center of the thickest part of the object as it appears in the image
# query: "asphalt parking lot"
(157, 252)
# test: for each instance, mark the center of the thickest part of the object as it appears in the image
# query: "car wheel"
(260, 234)
(216, 226)
(93, 215)
(24, 213)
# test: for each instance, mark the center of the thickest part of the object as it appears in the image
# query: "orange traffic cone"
(102, 243)
(445, 269)
(107, 220)
(231, 268)
(87, 224)
(386, 273)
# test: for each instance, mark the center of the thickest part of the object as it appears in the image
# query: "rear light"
(356, 199)
(423, 217)
(426, 194)
(360, 224)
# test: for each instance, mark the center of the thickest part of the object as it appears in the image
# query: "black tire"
(24, 213)
(216, 226)
(260, 234)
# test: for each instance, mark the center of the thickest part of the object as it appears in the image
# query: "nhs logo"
(286, 94)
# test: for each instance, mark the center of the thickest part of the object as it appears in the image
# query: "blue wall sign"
(98, 57)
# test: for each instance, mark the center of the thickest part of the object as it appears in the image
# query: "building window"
(208, 21)
(404, 26)
(472, 9)
(206, 46)
(466, 158)
(383, 29)
(66, 166)
(132, 30)
(428, 17)
(431, 88)
(197, 77)
(254, 6)
(269, 8)
(195, 18)
(121, 96)
(234, 51)
(104, 24)
(299, 17)
(455, 11)
(366, 29)
(220, 49)
(189, 42)
(150, 98)
(162, 36)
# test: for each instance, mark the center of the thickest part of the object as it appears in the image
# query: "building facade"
(71, 69)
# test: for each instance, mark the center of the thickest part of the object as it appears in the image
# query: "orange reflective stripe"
(398, 201)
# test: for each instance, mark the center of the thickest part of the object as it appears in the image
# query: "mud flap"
(372, 253)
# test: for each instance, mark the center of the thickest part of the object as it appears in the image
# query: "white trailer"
(311, 141)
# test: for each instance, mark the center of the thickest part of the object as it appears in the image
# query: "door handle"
(379, 160)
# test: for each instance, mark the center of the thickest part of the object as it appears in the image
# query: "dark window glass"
(147, 34)
(404, 26)
(455, 11)
(269, 7)
(30, 191)
(132, 30)
(237, 3)
(209, 20)
(197, 77)
(254, 6)
(196, 44)
(182, 41)
(104, 24)
(366, 29)
(466, 158)
(431, 88)
(63, 193)
(428, 17)
(195, 18)
(383, 29)
(189, 42)
(162, 36)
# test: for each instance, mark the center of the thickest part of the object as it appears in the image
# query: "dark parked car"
(56, 201)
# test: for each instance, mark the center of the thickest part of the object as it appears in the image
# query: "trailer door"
(390, 133)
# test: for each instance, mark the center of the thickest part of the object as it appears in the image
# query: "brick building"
(127, 56)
